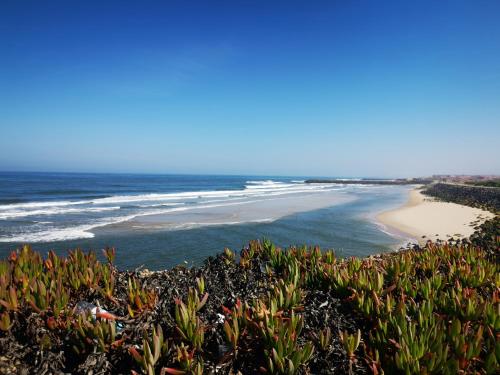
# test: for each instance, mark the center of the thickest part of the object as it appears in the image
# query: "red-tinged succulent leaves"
(172, 371)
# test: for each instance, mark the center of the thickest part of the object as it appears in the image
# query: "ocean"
(159, 221)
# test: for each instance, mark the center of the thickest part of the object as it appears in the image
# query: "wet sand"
(424, 218)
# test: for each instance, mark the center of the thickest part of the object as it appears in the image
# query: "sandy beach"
(424, 218)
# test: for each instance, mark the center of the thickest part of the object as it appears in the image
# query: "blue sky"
(334, 88)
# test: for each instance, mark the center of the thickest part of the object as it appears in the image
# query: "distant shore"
(365, 181)
(424, 218)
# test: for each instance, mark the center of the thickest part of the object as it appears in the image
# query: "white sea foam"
(384, 229)
(160, 205)
(143, 205)
(191, 225)
(270, 187)
(189, 208)
(29, 205)
(63, 234)
(253, 188)
(53, 211)
(264, 182)
(99, 205)
(83, 231)
(267, 184)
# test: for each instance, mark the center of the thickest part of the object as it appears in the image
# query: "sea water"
(159, 221)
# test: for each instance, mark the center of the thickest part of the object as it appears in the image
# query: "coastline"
(224, 286)
(229, 285)
(340, 217)
(424, 218)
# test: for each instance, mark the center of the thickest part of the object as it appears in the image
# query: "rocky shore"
(487, 198)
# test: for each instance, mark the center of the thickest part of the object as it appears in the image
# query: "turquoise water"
(91, 211)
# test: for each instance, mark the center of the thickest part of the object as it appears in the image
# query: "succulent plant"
(90, 334)
(286, 296)
(189, 325)
(324, 338)
(153, 349)
(228, 256)
(140, 299)
(430, 310)
(188, 362)
(5, 322)
(110, 254)
(350, 342)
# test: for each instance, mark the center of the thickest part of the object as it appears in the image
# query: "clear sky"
(333, 88)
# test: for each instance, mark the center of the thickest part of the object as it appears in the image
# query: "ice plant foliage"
(189, 325)
(324, 338)
(433, 310)
(140, 299)
(27, 282)
(94, 335)
(152, 350)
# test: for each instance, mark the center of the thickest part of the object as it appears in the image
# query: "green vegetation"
(487, 183)
(434, 310)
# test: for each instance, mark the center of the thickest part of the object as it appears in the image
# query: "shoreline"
(138, 306)
(424, 218)
(224, 285)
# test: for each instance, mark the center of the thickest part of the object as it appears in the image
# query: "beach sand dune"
(424, 218)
